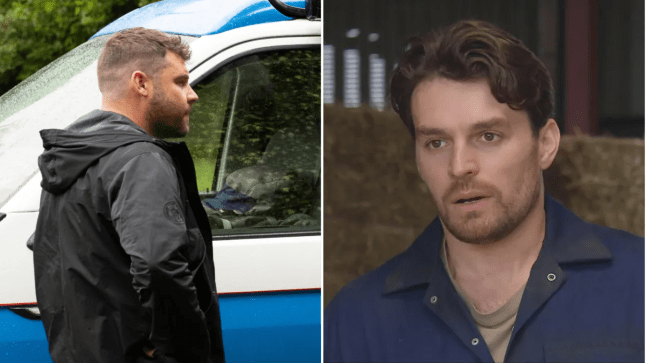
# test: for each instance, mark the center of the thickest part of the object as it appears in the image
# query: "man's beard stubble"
(160, 117)
(480, 228)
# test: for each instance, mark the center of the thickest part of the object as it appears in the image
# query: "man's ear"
(549, 138)
(141, 83)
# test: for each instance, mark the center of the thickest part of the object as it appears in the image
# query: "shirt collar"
(568, 239)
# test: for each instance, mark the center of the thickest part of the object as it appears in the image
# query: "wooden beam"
(581, 76)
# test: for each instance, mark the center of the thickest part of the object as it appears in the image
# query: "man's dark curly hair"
(471, 50)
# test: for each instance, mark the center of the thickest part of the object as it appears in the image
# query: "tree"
(33, 33)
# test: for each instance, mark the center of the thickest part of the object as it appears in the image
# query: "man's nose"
(191, 97)
(463, 161)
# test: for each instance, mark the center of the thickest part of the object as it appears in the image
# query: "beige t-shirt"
(495, 327)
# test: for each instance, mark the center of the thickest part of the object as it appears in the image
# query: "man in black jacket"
(122, 251)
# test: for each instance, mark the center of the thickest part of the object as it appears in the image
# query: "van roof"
(199, 17)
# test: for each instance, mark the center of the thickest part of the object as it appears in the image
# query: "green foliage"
(281, 91)
(33, 33)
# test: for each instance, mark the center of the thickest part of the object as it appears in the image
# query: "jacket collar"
(568, 240)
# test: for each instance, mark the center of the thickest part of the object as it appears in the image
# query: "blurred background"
(375, 204)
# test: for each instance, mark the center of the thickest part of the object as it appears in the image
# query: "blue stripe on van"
(272, 327)
(22, 340)
(199, 17)
(257, 327)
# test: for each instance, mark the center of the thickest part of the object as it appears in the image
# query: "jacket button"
(551, 277)
(433, 299)
(475, 341)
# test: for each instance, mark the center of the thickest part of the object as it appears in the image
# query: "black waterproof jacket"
(123, 256)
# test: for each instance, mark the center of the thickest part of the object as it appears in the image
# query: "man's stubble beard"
(159, 115)
(478, 227)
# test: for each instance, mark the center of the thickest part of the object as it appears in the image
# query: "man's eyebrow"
(489, 124)
(182, 77)
(477, 126)
(423, 130)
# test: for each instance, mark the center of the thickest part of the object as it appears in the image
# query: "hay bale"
(601, 179)
(375, 203)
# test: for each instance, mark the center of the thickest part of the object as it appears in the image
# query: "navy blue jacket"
(590, 310)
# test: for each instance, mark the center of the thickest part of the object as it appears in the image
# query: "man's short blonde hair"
(136, 49)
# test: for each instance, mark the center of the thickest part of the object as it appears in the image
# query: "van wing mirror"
(312, 9)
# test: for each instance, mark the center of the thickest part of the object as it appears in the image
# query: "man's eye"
(436, 144)
(490, 136)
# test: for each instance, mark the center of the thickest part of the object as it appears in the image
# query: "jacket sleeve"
(149, 217)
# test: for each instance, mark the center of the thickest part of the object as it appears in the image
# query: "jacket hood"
(70, 152)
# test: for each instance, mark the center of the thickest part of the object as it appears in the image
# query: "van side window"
(256, 143)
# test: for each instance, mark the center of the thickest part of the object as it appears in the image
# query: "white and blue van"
(256, 67)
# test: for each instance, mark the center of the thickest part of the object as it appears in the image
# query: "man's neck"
(134, 111)
(491, 273)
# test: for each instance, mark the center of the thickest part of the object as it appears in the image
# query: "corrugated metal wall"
(364, 38)
(376, 30)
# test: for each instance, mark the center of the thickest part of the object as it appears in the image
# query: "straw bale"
(601, 179)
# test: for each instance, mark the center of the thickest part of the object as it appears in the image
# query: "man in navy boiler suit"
(505, 273)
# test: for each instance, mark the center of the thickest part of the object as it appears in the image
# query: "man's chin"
(474, 228)
(476, 236)
(170, 133)
(181, 133)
